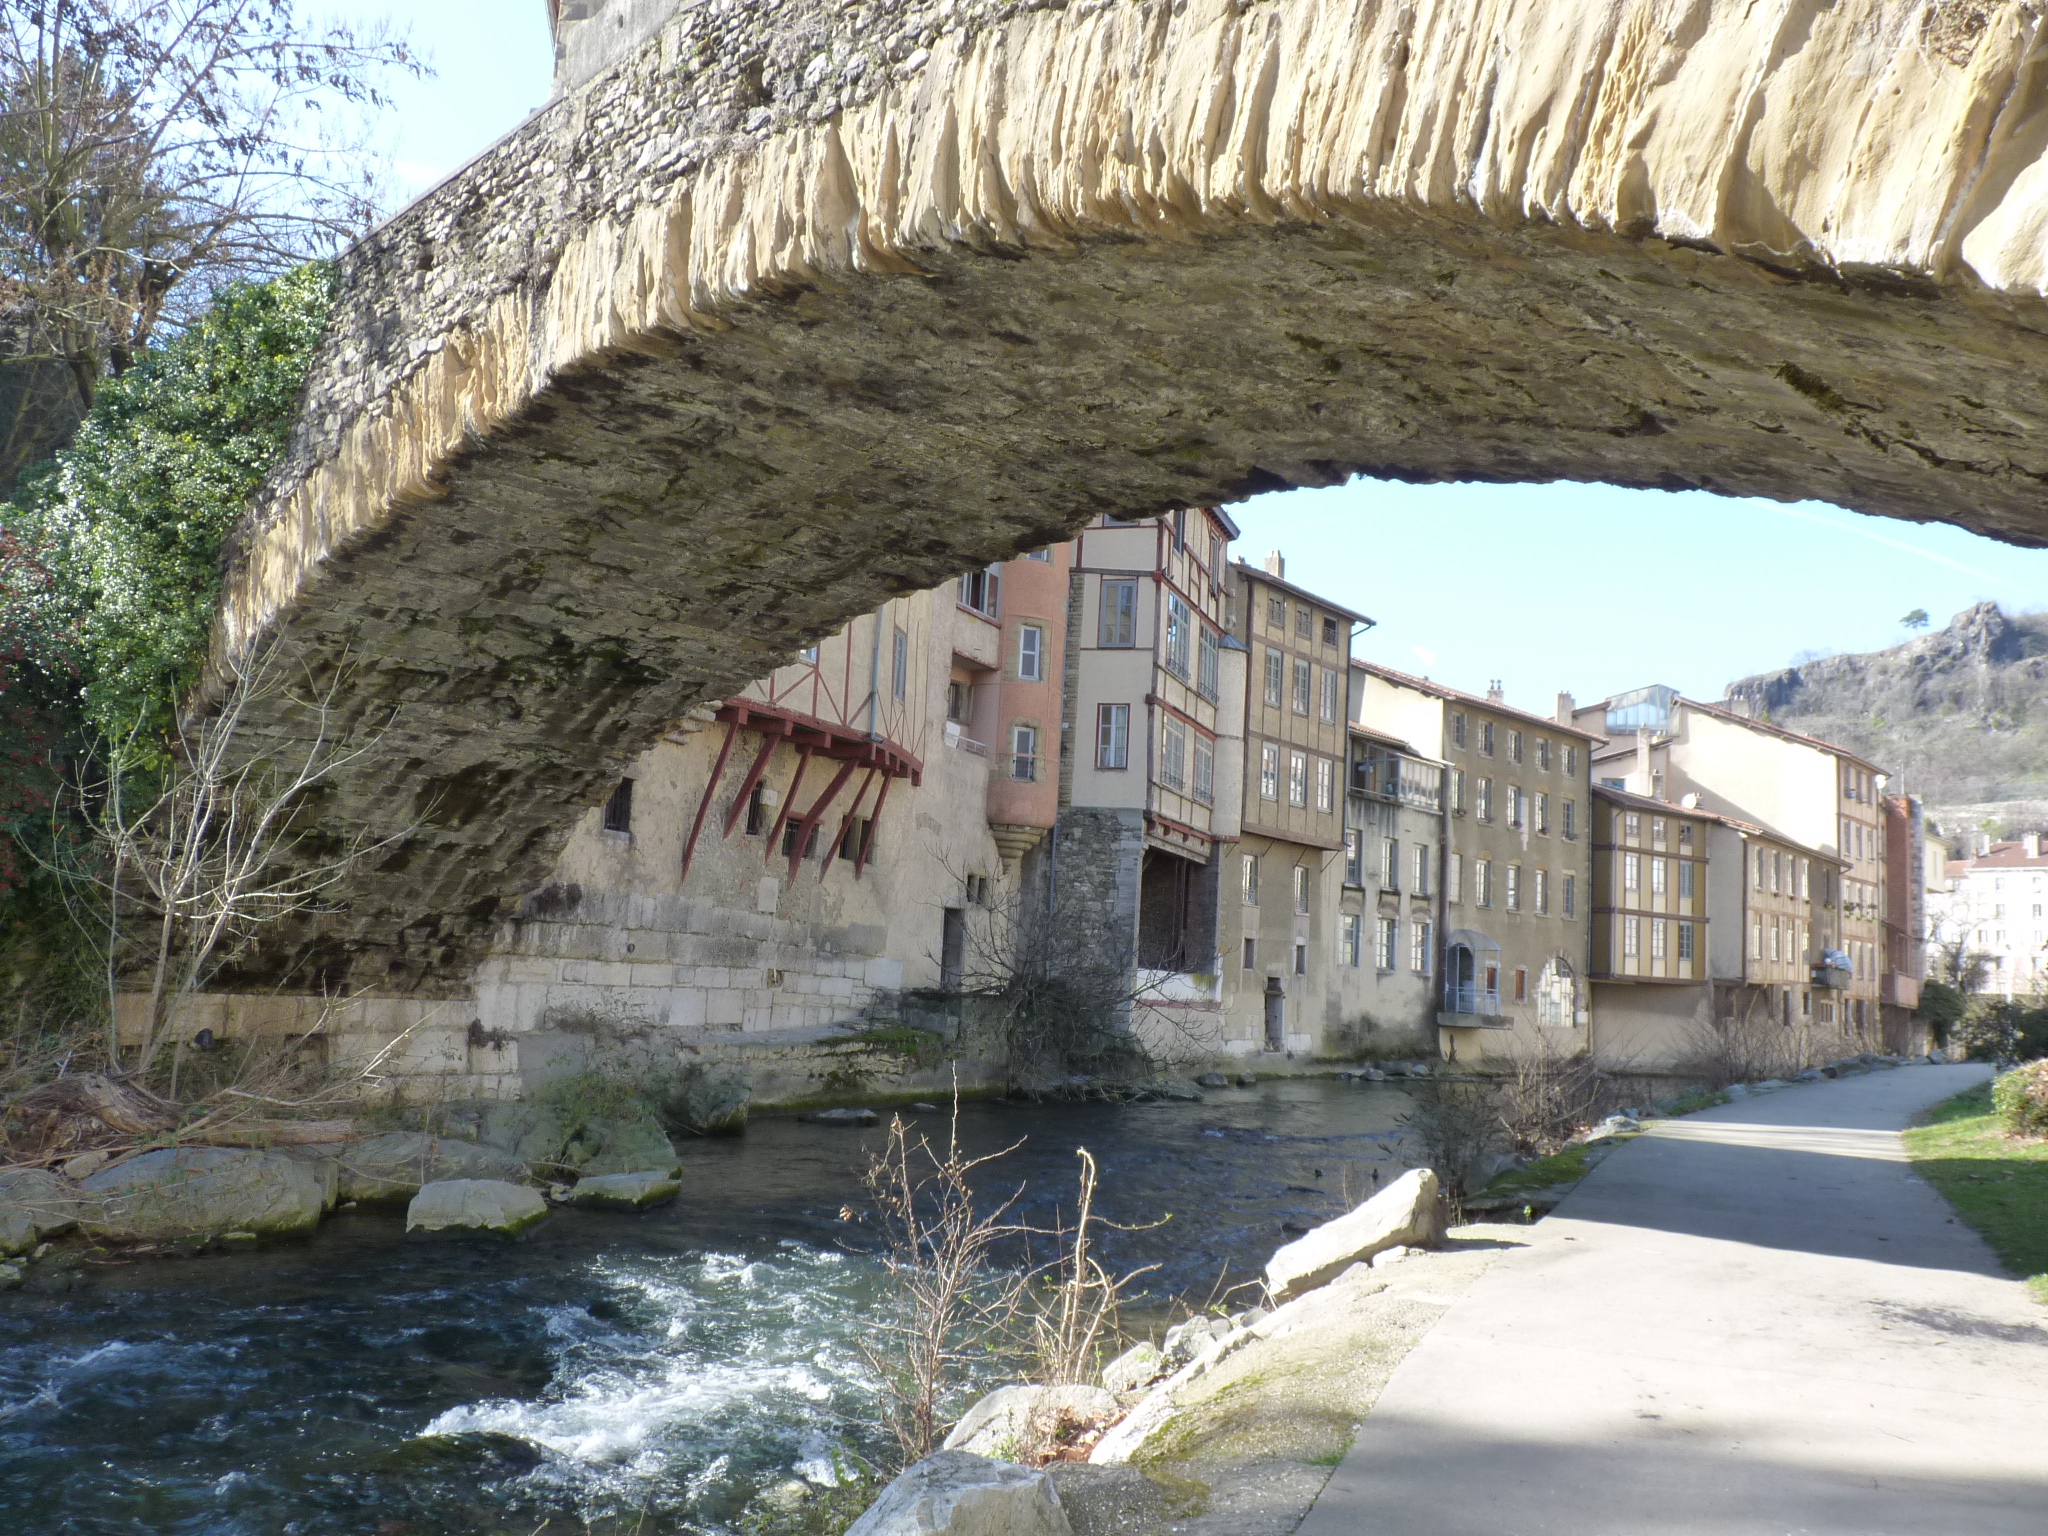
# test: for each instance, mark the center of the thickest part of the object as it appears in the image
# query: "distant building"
(1285, 939)
(1807, 791)
(1904, 843)
(1995, 916)
(1513, 939)
(1699, 917)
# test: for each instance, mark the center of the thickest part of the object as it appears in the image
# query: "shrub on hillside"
(2020, 1098)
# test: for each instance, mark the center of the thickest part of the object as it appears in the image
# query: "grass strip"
(1997, 1183)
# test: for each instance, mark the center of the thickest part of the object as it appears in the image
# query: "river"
(645, 1374)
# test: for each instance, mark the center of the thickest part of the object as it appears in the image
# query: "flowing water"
(633, 1373)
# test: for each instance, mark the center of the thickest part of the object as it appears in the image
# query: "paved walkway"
(1751, 1322)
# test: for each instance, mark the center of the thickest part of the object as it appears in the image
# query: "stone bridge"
(784, 306)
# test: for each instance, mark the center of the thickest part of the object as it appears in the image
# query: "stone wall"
(802, 304)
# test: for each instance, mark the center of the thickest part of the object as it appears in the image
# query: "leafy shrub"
(2020, 1100)
(1994, 1030)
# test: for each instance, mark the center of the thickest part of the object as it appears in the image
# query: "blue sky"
(1581, 587)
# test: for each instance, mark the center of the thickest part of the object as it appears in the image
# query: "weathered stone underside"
(805, 304)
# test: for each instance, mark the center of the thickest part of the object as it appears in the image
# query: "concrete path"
(1751, 1322)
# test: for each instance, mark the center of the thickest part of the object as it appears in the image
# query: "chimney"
(1494, 693)
(1276, 564)
(1567, 709)
(1644, 781)
(2033, 845)
(1983, 844)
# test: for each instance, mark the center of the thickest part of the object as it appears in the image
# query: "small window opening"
(618, 811)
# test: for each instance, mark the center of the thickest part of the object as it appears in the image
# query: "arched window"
(1557, 995)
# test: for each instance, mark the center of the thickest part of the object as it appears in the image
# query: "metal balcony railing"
(1470, 997)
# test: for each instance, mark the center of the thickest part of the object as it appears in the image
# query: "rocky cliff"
(1962, 712)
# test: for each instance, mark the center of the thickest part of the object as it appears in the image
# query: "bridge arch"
(781, 308)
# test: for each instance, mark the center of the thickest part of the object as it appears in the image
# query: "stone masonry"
(797, 305)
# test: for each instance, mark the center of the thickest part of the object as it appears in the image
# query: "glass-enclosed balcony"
(1381, 773)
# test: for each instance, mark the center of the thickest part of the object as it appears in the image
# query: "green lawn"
(1997, 1183)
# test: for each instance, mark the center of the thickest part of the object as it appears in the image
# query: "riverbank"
(1997, 1183)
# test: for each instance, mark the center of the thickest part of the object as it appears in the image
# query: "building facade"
(1514, 942)
(1286, 944)
(1993, 918)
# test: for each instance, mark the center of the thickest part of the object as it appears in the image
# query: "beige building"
(1288, 941)
(1809, 792)
(1150, 760)
(1699, 917)
(1515, 876)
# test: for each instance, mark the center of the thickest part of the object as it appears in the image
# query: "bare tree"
(1076, 1316)
(149, 150)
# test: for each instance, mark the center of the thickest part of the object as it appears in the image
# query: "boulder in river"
(840, 1117)
(395, 1165)
(1133, 1371)
(1016, 1421)
(564, 1138)
(34, 1204)
(952, 1493)
(180, 1192)
(1212, 1080)
(626, 1191)
(710, 1101)
(475, 1205)
(1408, 1213)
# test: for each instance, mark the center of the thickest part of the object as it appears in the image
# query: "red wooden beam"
(732, 729)
(860, 862)
(853, 810)
(769, 742)
(803, 761)
(807, 823)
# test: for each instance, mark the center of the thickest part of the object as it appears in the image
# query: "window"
(1571, 761)
(1179, 643)
(1383, 944)
(1043, 556)
(1301, 888)
(1632, 827)
(1301, 687)
(1687, 873)
(1756, 936)
(1269, 772)
(1251, 954)
(1806, 879)
(1329, 696)
(1205, 771)
(618, 810)
(1418, 948)
(1568, 819)
(1486, 738)
(1631, 937)
(1024, 753)
(1521, 984)
(1543, 812)
(1568, 896)
(1276, 612)
(1514, 746)
(853, 842)
(1454, 878)
(789, 832)
(1297, 778)
(1209, 665)
(1354, 856)
(1657, 831)
(1119, 624)
(1326, 784)
(1514, 888)
(1215, 557)
(1419, 885)
(1685, 943)
(1631, 871)
(899, 666)
(1390, 864)
(1756, 870)
(1276, 671)
(1329, 631)
(1458, 790)
(1775, 956)
(1516, 813)
(1543, 753)
(1777, 870)
(808, 655)
(1251, 879)
(1457, 728)
(1305, 623)
(1173, 753)
(1112, 735)
(1482, 882)
(1485, 802)
(1351, 940)
(978, 590)
(1030, 654)
(1543, 893)
(1685, 834)
(1659, 876)
(757, 811)
(959, 700)
(1301, 957)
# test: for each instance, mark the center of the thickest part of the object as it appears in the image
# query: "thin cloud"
(1899, 544)
(1426, 657)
